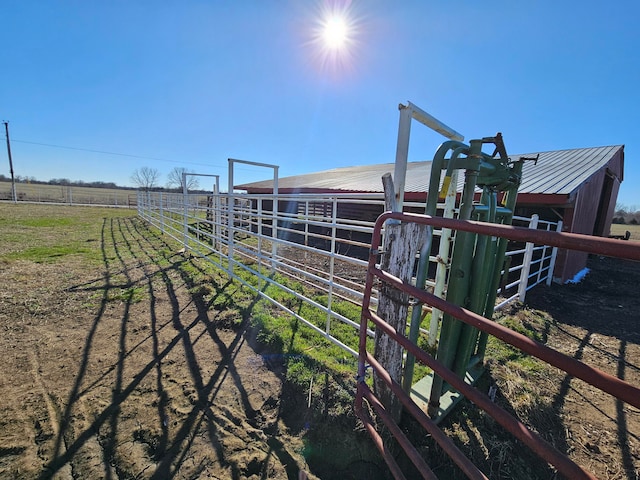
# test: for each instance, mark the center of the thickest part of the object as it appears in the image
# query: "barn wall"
(580, 219)
(612, 207)
(591, 214)
(587, 203)
(615, 174)
(606, 208)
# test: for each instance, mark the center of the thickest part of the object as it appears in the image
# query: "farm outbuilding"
(577, 186)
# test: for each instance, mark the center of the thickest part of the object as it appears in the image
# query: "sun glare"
(335, 33)
(334, 37)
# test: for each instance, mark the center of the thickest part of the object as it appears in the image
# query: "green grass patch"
(127, 295)
(49, 233)
(47, 222)
(530, 323)
(47, 254)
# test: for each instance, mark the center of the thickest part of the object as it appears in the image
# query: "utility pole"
(13, 180)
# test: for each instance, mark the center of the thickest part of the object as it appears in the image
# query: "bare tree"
(175, 179)
(145, 178)
(620, 207)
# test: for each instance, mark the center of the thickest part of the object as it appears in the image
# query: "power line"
(103, 152)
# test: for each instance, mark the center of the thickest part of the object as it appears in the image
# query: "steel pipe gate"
(601, 380)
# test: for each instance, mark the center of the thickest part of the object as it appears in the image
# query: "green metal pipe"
(484, 265)
(509, 204)
(500, 211)
(437, 165)
(459, 278)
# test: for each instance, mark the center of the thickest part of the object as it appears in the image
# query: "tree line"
(59, 181)
(626, 215)
(144, 178)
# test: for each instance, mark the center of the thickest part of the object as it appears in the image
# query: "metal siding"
(559, 172)
(612, 205)
(563, 171)
(582, 221)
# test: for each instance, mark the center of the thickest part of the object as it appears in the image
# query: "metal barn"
(577, 186)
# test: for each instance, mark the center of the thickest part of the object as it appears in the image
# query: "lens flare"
(333, 38)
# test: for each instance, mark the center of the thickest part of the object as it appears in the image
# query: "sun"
(335, 33)
(334, 37)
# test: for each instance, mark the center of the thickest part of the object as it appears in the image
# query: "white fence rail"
(537, 264)
(317, 243)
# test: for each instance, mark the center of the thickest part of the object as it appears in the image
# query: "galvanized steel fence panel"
(321, 241)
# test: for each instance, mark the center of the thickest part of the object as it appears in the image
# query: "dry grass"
(618, 229)
(68, 194)
(28, 192)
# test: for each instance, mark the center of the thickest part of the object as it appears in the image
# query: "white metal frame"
(407, 113)
(332, 272)
(274, 208)
(185, 193)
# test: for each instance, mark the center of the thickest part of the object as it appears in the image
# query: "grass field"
(68, 194)
(77, 195)
(617, 229)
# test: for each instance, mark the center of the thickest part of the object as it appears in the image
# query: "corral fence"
(69, 195)
(616, 387)
(319, 242)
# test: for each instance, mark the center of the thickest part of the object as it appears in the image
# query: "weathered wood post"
(401, 243)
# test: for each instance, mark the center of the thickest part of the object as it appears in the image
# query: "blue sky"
(192, 83)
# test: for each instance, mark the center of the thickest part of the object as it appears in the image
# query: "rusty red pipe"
(605, 382)
(572, 241)
(471, 471)
(513, 425)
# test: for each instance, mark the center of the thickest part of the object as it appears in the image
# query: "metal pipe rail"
(605, 382)
(324, 265)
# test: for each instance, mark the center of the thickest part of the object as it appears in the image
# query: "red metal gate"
(601, 380)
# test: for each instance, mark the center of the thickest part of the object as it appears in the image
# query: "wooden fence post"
(401, 243)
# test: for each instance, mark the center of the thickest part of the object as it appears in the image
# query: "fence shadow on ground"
(140, 263)
(598, 321)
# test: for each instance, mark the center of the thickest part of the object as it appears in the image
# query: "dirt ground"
(131, 369)
(598, 322)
